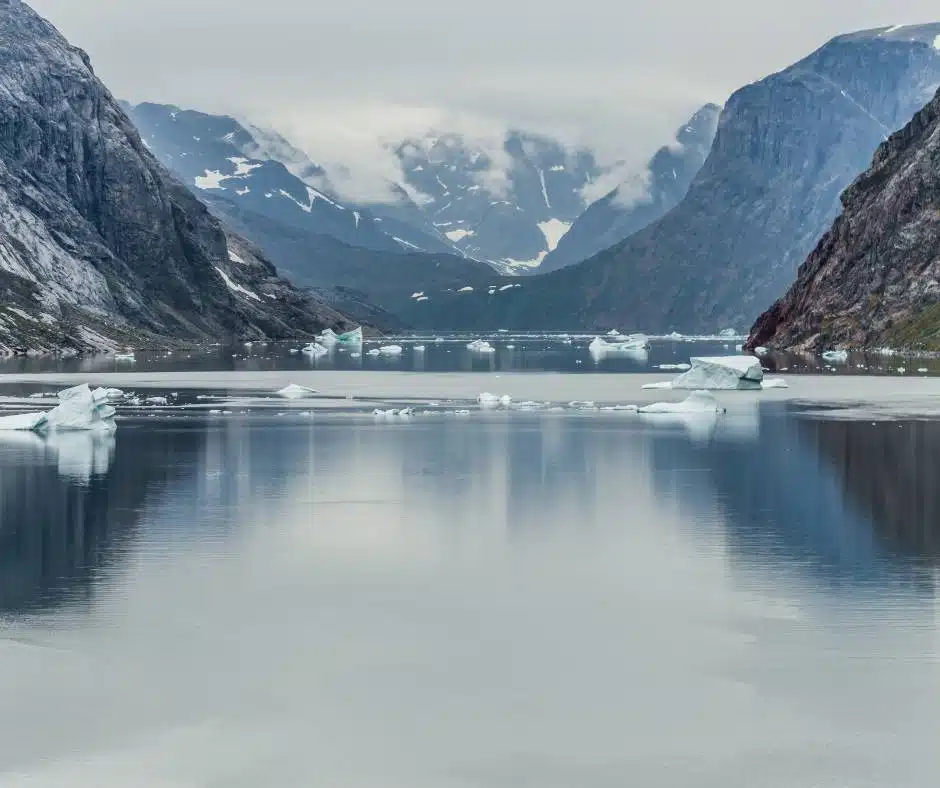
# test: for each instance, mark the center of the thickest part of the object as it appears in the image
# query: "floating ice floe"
(24, 422)
(489, 401)
(727, 332)
(374, 352)
(393, 413)
(635, 345)
(835, 356)
(676, 367)
(480, 346)
(128, 358)
(78, 409)
(774, 383)
(108, 395)
(718, 372)
(419, 348)
(922, 370)
(697, 402)
(293, 391)
(390, 350)
(161, 401)
(315, 350)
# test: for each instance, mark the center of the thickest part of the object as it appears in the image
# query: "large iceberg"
(351, 338)
(79, 408)
(635, 346)
(697, 402)
(721, 372)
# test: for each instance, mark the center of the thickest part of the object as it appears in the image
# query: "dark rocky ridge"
(99, 244)
(786, 148)
(874, 278)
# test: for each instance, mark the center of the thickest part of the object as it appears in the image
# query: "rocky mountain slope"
(874, 278)
(511, 209)
(785, 149)
(220, 157)
(620, 214)
(99, 244)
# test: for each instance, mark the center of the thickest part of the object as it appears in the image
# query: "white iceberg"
(635, 346)
(613, 333)
(697, 402)
(390, 350)
(721, 372)
(328, 338)
(419, 348)
(480, 346)
(374, 352)
(24, 422)
(727, 332)
(78, 410)
(676, 367)
(108, 395)
(128, 358)
(315, 350)
(489, 401)
(836, 356)
(293, 391)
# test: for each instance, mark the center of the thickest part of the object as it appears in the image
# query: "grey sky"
(618, 74)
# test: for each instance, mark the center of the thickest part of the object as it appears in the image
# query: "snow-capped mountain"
(620, 214)
(510, 209)
(100, 245)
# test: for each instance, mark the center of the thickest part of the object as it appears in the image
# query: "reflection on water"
(512, 600)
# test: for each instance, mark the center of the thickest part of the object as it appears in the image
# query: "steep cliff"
(99, 244)
(874, 278)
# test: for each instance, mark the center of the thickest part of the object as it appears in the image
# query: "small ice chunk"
(156, 401)
(108, 395)
(761, 351)
(582, 405)
(835, 356)
(774, 383)
(633, 345)
(721, 372)
(374, 352)
(613, 333)
(315, 350)
(467, 289)
(697, 402)
(293, 391)
(390, 350)
(489, 401)
(667, 384)
(922, 370)
(901, 370)
(727, 332)
(481, 346)
(125, 358)
(419, 348)
(677, 367)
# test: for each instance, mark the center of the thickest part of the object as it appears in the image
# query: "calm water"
(521, 600)
(449, 353)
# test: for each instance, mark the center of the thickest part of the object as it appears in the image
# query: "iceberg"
(108, 395)
(24, 422)
(480, 346)
(374, 352)
(836, 356)
(727, 332)
(328, 338)
(293, 391)
(390, 350)
(697, 402)
(315, 350)
(129, 358)
(721, 372)
(489, 401)
(351, 338)
(78, 410)
(630, 344)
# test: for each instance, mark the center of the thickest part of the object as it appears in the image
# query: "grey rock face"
(874, 278)
(785, 149)
(617, 216)
(510, 213)
(99, 244)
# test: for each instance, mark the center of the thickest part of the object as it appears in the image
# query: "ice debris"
(293, 391)
(774, 383)
(390, 350)
(697, 402)
(677, 367)
(836, 356)
(315, 350)
(489, 401)
(480, 346)
(128, 358)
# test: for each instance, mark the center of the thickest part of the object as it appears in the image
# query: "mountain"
(508, 207)
(620, 214)
(874, 278)
(99, 244)
(785, 149)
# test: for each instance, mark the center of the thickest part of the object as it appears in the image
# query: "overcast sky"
(338, 74)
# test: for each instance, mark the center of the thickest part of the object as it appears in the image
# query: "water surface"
(508, 600)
